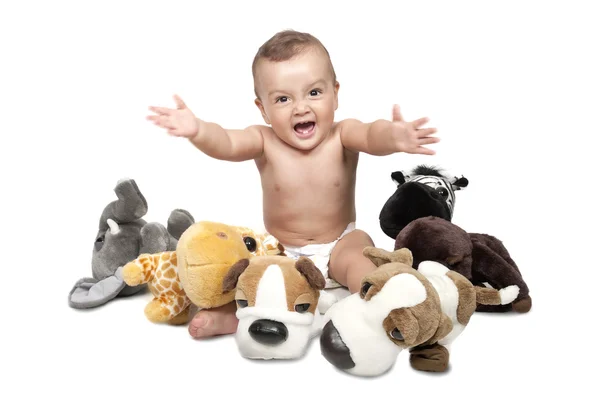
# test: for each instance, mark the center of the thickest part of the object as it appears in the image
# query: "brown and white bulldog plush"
(277, 301)
(400, 308)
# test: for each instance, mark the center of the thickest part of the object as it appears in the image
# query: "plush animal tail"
(142, 269)
(491, 296)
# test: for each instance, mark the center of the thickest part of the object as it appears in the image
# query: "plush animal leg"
(141, 270)
(182, 318)
(432, 358)
(490, 267)
(165, 308)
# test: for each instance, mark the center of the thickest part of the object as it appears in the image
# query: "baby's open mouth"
(304, 128)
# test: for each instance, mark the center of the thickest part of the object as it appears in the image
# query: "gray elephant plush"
(122, 236)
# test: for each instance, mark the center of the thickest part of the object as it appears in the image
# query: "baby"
(306, 160)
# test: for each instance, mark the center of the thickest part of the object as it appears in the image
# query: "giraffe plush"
(206, 251)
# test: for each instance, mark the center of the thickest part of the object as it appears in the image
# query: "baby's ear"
(231, 278)
(261, 108)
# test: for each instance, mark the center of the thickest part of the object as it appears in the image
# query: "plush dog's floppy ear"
(232, 276)
(377, 256)
(406, 324)
(309, 270)
(403, 256)
(444, 328)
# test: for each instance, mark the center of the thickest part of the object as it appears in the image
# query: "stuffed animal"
(276, 300)
(425, 191)
(400, 308)
(122, 236)
(193, 271)
(481, 258)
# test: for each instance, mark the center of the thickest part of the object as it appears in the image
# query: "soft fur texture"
(480, 258)
(194, 272)
(400, 308)
(425, 191)
(277, 301)
(123, 236)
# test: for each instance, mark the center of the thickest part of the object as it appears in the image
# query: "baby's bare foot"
(214, 322)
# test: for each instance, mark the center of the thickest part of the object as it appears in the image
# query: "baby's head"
(296, 88)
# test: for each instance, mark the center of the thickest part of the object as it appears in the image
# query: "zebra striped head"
(433, 178)
(422, 192)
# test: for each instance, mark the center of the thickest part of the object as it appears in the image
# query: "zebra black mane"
(425, 170)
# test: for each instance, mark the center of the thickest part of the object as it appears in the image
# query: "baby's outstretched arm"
(384, 137)
(210, 138)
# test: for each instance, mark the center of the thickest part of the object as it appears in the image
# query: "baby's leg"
(347, 264)
(214, 321)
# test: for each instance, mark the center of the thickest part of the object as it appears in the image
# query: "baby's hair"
(285, 45)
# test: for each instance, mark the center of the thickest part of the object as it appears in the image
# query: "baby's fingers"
(428, 140)
(161, 111)
(425, 132)
(419, 122)
(161, 121)
(424, 151)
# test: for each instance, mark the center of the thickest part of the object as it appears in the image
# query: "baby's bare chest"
(322, 174)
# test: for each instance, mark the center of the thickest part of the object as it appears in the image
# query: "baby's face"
(298, 98)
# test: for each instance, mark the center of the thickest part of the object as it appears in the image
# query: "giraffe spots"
(176, 310)
(159, 274)
(180, 301)
(165, 256)
(176, 287)
(171, 274)
(160, 289)
(165, 283)
(165, 266)
(153, 290)
(174, 260)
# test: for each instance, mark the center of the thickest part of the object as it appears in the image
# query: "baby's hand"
(409, 137)
(179, 122)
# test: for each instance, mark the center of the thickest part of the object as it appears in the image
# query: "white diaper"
(319, 253)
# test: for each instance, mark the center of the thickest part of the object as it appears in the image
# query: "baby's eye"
(314, 92)
(281, 99)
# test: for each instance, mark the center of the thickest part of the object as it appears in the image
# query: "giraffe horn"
(114, 227)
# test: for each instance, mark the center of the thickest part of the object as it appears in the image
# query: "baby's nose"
(268, 332)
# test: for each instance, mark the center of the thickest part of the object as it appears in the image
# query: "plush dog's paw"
(523, 305)
(433, 358)
(326, 300)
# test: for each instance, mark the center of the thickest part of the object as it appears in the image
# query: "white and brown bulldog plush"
(400, 308)
(277, 301)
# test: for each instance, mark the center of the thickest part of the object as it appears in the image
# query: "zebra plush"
(422, 192)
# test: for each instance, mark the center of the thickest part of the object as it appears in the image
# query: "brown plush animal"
(399, 308)
(481, 258)
(277, 301)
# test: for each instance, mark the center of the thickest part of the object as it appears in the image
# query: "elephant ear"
(156, 239)
(129, 206)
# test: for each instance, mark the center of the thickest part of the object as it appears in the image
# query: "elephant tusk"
(114, 227)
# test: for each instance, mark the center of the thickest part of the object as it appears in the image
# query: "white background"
(511, 86)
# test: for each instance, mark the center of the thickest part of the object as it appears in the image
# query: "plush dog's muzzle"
(268, 332)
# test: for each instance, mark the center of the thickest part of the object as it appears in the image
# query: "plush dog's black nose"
(268, 332)
(334, 349)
